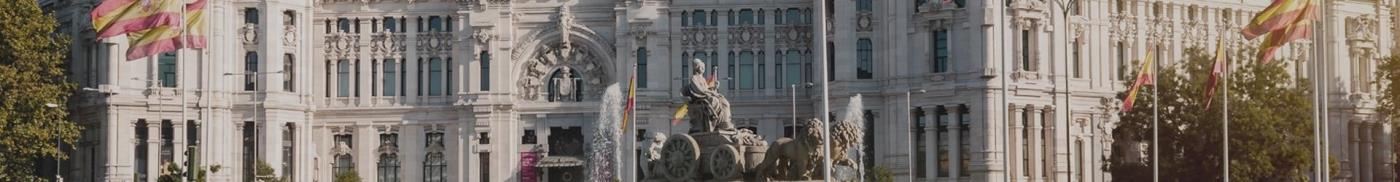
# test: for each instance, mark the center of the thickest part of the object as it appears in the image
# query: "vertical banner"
(527, 167)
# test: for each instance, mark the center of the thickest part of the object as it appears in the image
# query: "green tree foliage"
(347, 176)
(880, 174)
(176, 172)
(1270, 124)
(31, 77)
(1388, 99)
(265, 173)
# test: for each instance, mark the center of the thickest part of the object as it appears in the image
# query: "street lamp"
(793, 88)
(913, 151)
(58, 172)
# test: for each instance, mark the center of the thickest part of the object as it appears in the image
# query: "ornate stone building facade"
(501, 90)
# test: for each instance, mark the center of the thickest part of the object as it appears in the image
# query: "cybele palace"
(509, 90)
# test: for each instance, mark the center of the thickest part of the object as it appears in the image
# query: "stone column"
(1352, 166)
(177, 142)
(412, 145)
(152, 150)
(955, 151)
(1017, 140)
(1368, 167)
(930, 145)
(1036, 141)
(411, 81)
(271, 146)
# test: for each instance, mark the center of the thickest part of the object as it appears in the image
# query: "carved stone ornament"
(289, 36)
(1361, 28)
(387, 45)
(865, 21)
(699, 37)
(746, 37)
(342, 45)
(249, 34)
(435, 43)
(540, 69)
(483, 36)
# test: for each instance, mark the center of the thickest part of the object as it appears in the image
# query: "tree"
(32, 85)
(1270, 124)
(1388, 99)
(346, 176)
(175, 173)
(265, 173)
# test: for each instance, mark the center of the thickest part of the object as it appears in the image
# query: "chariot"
(719, 155)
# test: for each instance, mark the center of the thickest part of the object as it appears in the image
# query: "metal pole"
(909, 112)
(1156, 161)
(794, 111)
(1225, 114)
(820, 55)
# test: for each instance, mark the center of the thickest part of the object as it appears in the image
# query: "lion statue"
(846, 136)
(795, 159)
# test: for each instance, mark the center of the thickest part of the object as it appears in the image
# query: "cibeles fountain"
(713, 150)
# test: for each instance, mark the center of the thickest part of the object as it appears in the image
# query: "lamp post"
(913, 151)
(58, 170)
(793, 87)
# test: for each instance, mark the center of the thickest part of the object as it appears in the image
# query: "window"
(762, 70)
(940, 51)
(1045, 150)
(391, 25)
(1026, 143)
(447, 65)
(920, 3)
(865, 52)
(700, 18)
(167, 142)
(484, 138)
(1078, 166)
(793, 68)
(435, 164)
(435, 24)
(746, 70)
(388, 157)
(288, 150)
(920, 143)
(343, 24)
(794, 16)
(746, 17)
(714, 18)
(942, 140)
(865, 5)
(289, 73)
(485, 71)
(435, 76)
(778, 16)
(964, 140)
(729, 76)
(142, 135)
(685, 19)
(343, 78)
(1026, 51)
(1122, 60)
(868, 155)
(731, 16)
(1078, 58)
(485, 159)
(642, 67)
(249, 148)
(344, 162)
(250, 16)
(250, 66)
(391, 86)
(1076, 9)
(760, 17)
(168, 76)
(528, 137)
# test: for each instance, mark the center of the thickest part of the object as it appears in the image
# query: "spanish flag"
(1144, 78)
(117, 17)
(631, 99)
(1299, 29)
(1278, 16)
(1216, 71)
(170, 37)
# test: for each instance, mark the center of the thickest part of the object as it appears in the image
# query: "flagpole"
(1156, 162)
(1226, 114)
(820, 55)
(1320, 102)
(632, 94)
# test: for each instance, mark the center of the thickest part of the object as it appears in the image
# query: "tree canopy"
(1270, 124)
(33, 89)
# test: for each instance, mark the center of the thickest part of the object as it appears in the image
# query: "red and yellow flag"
(1144, 78)
(1299, 29)
(117, 17)
(171, 37)
(1216, 71)
(631, 99)
(1278, 16)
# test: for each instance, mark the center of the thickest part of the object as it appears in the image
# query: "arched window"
(388, 158)
(434, 165)
(565, 84)
(865, 57)
(344, 160)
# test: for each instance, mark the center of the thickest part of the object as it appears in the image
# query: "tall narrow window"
(868, 157)
(388, 158)
(700, 18)
(391, 85)
(167, 142)
(289, 74)
(1078, 167)
(1026, 143)
(1026, 51)
(250, 67)
(920, 143)
(435, 76)
(435, 164)
(794, 17)
(447, 78)
(730, 75)
(942, 140)
(685, 19)
(168, 75)
(793, 67)
(746, 70)
(762, 70)
(435, 24)
(249, 148)
(250, 16)
(865, 5)
(865, 53)
(1122, 60)
(1078, 58)
(778, 16)
(685, 68)
(344, 162)
(289, 150)
(746, 17)
(642, 67)
(940, 51)
(391, 24)
(142, 136)
(343, 78)
(485, 71)
(485, 159)
(343, 24)
(964, 140)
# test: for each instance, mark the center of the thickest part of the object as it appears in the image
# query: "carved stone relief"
(388, 45)
(865, 21)
(435, 43)
(249, 34)
(342, 45)
(566, 60)
(1361, 28)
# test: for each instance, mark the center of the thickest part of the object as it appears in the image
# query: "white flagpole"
(820, 55)
(1320, 103)
(1156, 161)
(632, 126)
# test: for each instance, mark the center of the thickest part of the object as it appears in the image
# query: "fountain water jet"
(602, 156)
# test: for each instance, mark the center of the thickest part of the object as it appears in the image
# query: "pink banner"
(527, 167)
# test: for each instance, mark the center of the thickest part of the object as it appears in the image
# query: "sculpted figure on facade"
(564, 85)
(711, 111)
